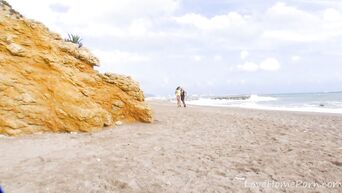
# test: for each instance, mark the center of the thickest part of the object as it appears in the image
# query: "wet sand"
(194, 149)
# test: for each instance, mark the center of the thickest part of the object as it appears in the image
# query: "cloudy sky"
(208, 47)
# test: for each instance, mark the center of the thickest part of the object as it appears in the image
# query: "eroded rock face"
(47, 84)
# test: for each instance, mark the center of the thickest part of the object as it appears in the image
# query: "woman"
(178, 96)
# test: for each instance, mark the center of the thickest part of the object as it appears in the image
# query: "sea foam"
(287, 102)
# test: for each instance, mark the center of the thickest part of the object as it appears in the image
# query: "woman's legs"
(178, 101)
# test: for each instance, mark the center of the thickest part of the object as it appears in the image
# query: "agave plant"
(76, 39)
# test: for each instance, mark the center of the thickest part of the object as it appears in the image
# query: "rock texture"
(49, 85)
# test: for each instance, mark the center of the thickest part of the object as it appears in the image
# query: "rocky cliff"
(49, 85)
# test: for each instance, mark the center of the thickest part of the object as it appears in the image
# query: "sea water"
(329, 102)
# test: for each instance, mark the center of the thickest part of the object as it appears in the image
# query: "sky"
(216, 47)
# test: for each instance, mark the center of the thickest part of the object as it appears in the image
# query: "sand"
(194, 149)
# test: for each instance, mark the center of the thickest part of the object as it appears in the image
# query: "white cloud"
(285, 12)
(269, 64)
(217, 58)
(248, 66)
(332, 15)
(296, 58)
(139, 27)
(120, 57)
(196, 58)
(84, 15)
(244, 54)
(218, 22)
(289, 36)
(289, 24)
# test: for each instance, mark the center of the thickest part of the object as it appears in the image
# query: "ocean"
(328, 102)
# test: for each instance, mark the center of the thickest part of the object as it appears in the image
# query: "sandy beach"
(194, 149)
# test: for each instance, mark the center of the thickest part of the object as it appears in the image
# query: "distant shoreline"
(171, 101)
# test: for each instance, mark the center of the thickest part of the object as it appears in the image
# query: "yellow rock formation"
(49, 85)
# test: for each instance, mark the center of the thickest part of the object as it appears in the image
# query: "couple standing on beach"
(180, 96)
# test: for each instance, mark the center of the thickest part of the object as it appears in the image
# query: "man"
(183, 93)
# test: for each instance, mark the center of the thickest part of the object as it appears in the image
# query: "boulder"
(49, 85)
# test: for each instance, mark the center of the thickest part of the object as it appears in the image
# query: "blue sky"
(208, 47)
